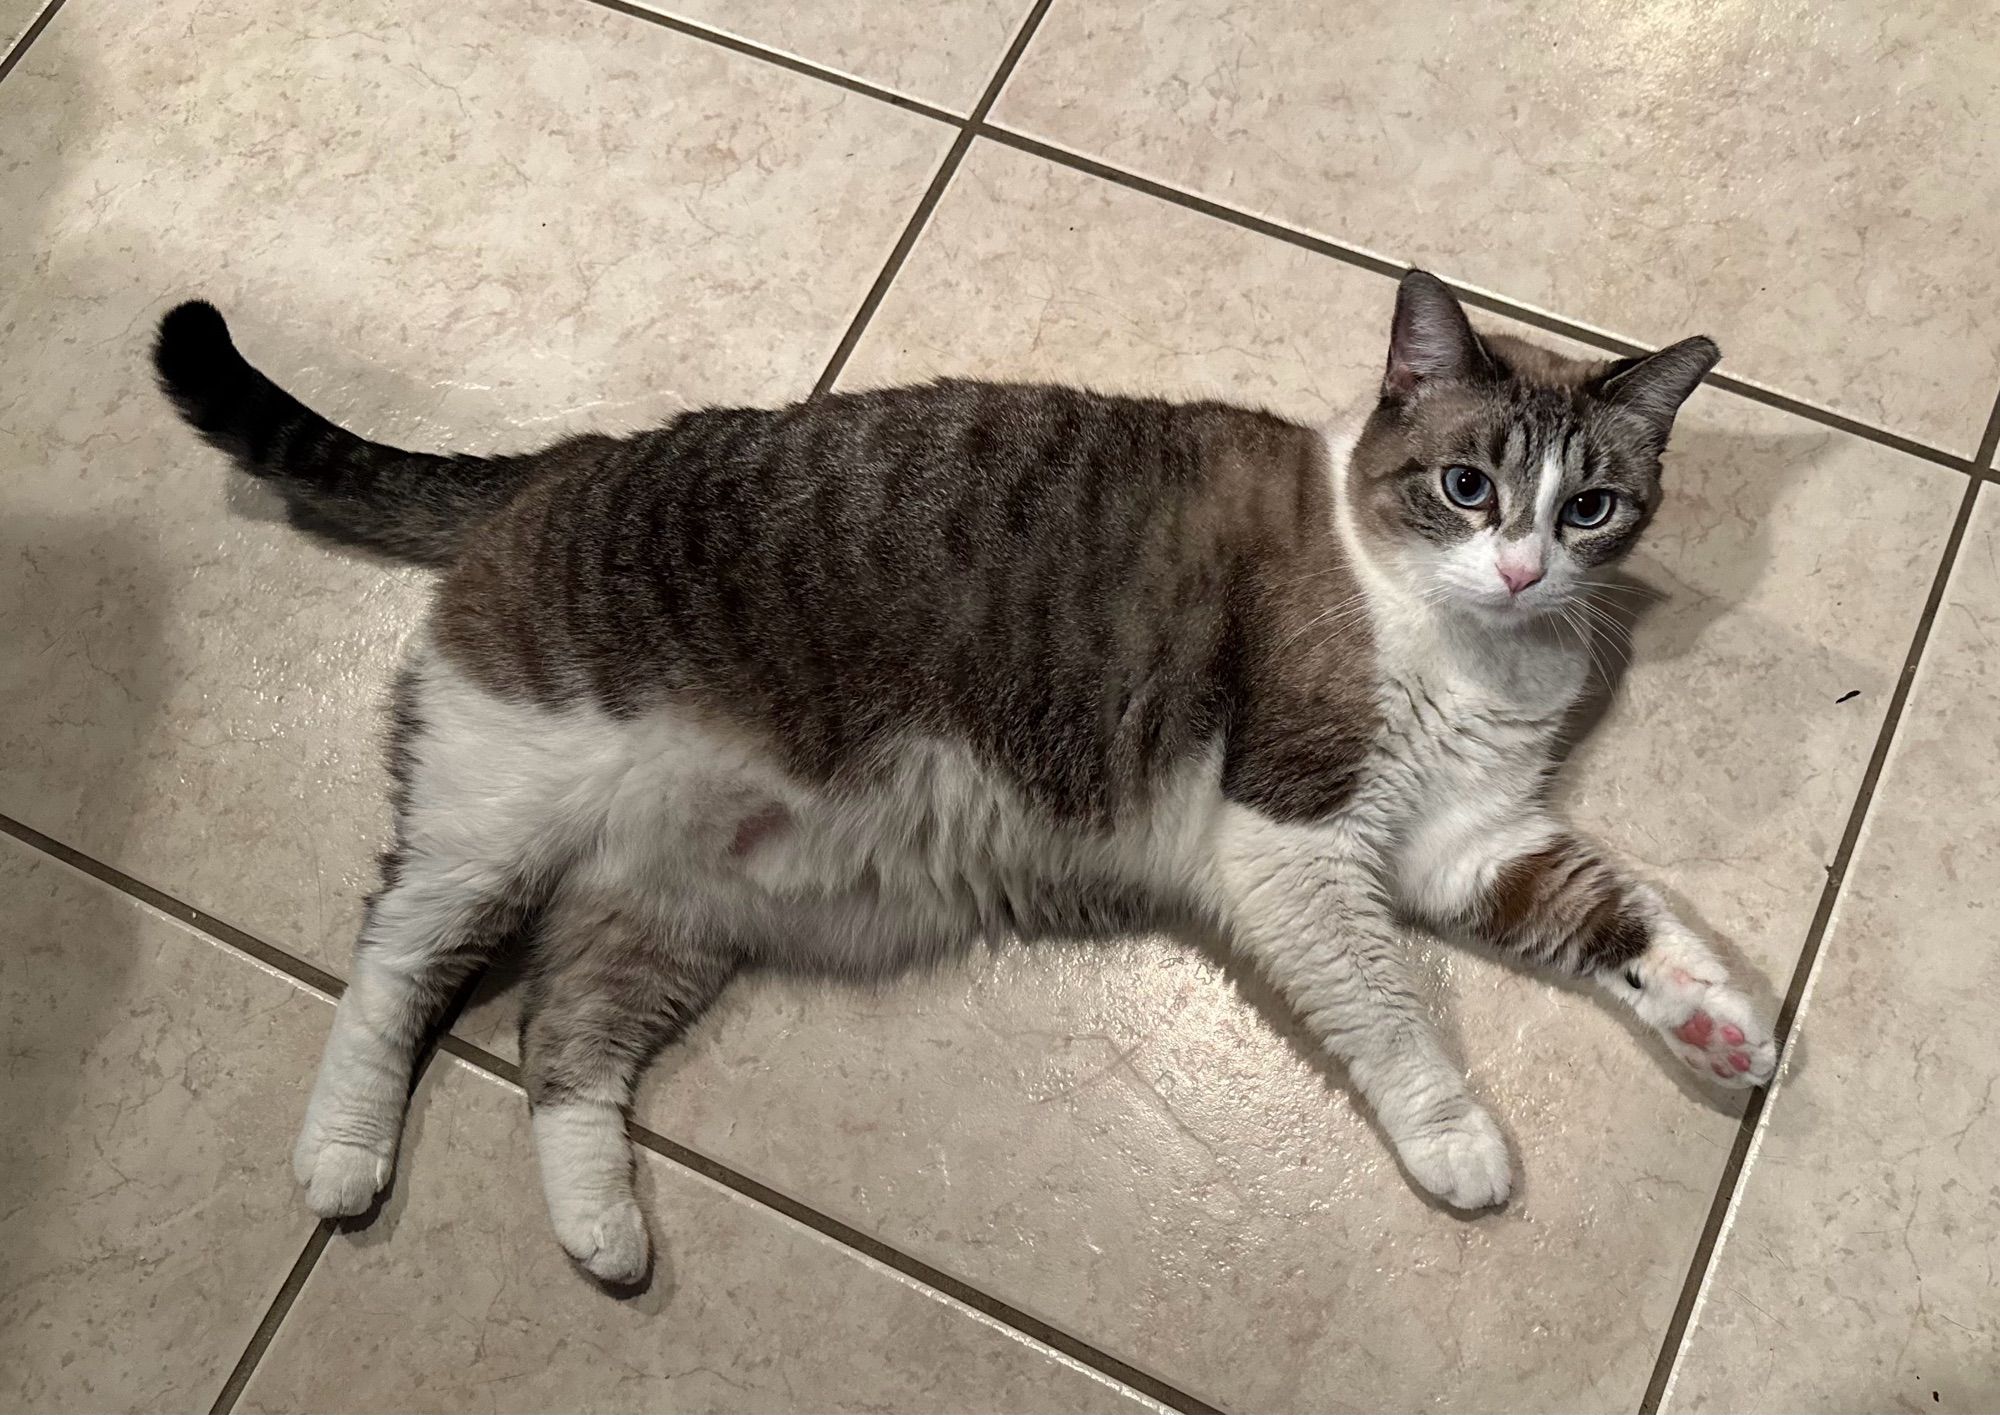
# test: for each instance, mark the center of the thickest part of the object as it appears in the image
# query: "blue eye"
(1468, 487)
(1588, 509)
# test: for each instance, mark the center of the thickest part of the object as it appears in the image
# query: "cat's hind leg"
(607, 987)
(477, 834)
(435, 919)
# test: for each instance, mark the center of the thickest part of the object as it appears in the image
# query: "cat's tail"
(410, 505)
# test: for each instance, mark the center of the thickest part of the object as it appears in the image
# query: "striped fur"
(1562, 906)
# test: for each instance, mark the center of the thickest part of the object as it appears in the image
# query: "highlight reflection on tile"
(1812, 184)
(457, 1298)
(457, 226)
(147, 1215)
(1858, 1272)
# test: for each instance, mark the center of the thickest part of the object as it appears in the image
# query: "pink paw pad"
(1740, 1061)
(1733, 1035)
(1697, 1030)
(1719, 1069)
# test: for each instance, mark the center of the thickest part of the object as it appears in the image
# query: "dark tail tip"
(198, 366)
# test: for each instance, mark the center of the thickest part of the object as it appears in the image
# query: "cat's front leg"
(1306, 905)
(1538, 892)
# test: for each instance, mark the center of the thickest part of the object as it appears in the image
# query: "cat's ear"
(1655, 386)
(1430, 339)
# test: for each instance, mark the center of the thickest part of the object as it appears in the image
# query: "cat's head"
(1495, 477)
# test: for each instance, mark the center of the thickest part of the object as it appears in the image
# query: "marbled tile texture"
(1812, 184)
(478, 227)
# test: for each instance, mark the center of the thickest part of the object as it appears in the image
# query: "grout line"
(866, 1244)
(28, 37)
(976, 126)
(900, 252)
(295, 967)
(927, 203)
(1478, 299)
(309, 1256)
(274, 1317)
(1803, 970)
(752, 49)
(272, 957)
(1989, 442)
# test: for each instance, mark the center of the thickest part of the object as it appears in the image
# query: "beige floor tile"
(457, 1298)
(147, 1215)
(1858, 1272)
(1126, 1142)
(15, 17)
(943, 52)
(1810, 183)
(452, 225)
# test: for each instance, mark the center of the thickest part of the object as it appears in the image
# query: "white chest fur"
(1470, 713)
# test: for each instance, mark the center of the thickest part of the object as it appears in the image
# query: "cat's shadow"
(1707, 550)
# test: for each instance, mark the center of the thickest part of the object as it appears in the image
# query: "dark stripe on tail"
(409, 505)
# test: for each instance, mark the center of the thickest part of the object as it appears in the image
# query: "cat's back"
(1053, 575)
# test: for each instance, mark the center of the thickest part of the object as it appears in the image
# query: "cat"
(851, 684)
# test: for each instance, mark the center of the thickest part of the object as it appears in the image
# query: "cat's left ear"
(1654, 387)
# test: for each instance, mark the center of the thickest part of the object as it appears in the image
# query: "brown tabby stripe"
(1563, 906)
(1087, 590)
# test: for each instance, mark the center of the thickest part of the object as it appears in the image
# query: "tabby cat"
(848, 685)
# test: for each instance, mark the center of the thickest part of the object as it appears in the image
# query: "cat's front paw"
(610, 1241)
(1462, 1161)
(1684, 992)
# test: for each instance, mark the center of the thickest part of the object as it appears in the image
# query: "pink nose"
(1519, 577)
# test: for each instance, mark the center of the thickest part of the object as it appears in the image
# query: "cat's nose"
(1519, 577)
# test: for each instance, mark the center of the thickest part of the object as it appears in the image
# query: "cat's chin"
(1503, 613)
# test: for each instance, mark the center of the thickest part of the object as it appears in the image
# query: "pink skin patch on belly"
(757, 827)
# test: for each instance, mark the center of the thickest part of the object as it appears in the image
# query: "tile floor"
(1051, 1180)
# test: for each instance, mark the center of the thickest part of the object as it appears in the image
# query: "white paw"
(339, 1178)
(1684, 992)
(610, 1241)
(1463, 1161)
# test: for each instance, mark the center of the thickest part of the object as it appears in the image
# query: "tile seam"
(860, 1241)
(751, 49)
(274, 1317)
(906, 242)
(28, 37)
(1479, 299)
(1729, 1183)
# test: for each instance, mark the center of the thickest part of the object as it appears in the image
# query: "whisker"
(1625, 587)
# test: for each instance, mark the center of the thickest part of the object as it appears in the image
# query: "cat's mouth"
(1500, 607)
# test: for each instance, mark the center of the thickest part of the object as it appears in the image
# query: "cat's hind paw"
(611, 1242)
(340, 1179)
(1462, 1161)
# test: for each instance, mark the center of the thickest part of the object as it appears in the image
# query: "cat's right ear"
(1430, 339)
